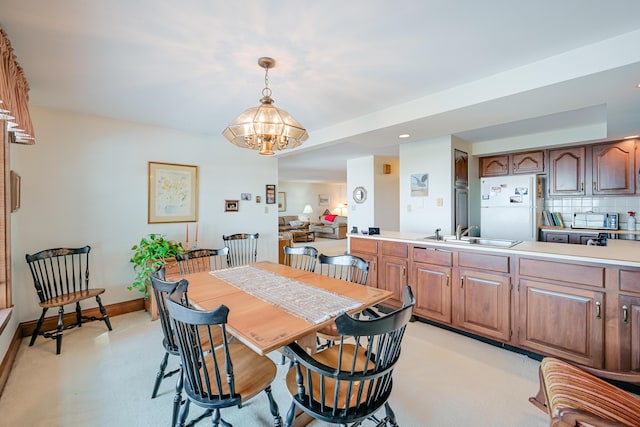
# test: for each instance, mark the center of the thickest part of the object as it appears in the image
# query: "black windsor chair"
(243, 248)
(350, 381)
(302, 257)
(217, 377)
(198, 260)
(61, 277)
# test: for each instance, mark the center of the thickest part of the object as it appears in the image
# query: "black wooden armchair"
(243, 248)
(350, 382)
(216, 377)
(198, 260)
(61, 277)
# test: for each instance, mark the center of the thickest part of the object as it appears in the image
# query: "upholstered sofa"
(330, 227)
(291, 223)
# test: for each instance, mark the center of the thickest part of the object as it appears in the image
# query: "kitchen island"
(577, 302)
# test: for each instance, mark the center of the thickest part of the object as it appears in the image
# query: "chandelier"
(265, 128)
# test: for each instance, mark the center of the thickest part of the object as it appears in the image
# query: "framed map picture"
(173, 193)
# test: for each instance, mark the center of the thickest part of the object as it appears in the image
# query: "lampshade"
(307, 209)
(265, 127)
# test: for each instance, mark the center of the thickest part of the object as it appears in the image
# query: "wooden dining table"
(265, 326)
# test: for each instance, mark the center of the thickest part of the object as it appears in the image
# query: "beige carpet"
(105, 379)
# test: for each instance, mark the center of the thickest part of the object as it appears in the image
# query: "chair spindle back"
(243, 248)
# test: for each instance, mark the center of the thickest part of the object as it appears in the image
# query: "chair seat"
(330, 357)
(571, 388)
(329, 332)
(71, 298)
(252, 372)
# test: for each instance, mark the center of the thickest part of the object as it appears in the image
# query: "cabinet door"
(392, 276)
(566, 171)
(372, 276)
(432, 290)
(481, 304)
(562, 321)
(612, 168)
(629, 324)
(532, 162)
(494, 165)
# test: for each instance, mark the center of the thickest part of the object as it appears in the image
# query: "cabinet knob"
(625, 313)
(447, 281)
(461, 282)
(598, 310)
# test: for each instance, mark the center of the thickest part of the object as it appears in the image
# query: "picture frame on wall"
(282, 201)
(173, 193)
(420, 185)
(231, 205)
(324, 200)
(270, 194)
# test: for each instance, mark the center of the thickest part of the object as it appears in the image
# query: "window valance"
(14, 95)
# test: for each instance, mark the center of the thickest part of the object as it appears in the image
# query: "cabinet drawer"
(563, 272)
(367, 246)
(557, 237)
(432, 256)
(480, 261)
(630, 280)
(396, 249)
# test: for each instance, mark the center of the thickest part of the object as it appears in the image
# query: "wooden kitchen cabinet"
(561, 310)
(629, 332)
(393, 272)
(494, 165)
(562, 321)
(567, 171)
(366, 249)
(431, 283)
(612, 168)
(512, 164)
(530, 162)
(481, 295)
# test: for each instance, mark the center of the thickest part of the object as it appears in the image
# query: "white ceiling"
(355, 73)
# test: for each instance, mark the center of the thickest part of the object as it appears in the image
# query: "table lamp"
(308, 210)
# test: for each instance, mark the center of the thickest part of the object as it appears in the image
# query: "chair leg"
(391, 416)
(105, 317)
(273, 407)
(290, 415)
(160, 374)
(36, 331)
(78, 314)
(177, 399)
(60, 328)
(539, 400)
(184, 413)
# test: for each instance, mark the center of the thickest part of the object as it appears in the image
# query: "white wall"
(85, 182)
(298, 194)
(387, 195)
(360, 173)
(422, 214)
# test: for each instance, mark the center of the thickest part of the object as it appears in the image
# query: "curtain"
(14, 95)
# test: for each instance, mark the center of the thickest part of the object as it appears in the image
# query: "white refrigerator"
(510, 207)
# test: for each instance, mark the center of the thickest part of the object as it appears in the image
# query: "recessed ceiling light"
(404, 135)
(631, 137)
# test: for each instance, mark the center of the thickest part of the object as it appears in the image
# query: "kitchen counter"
(617, 252)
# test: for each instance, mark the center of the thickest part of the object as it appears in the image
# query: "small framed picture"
(271, 194)
(258, 199)
(324, 199)
(245, 196)
(282, 201)
(231, 206)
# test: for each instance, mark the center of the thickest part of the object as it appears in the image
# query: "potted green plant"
(149, 255)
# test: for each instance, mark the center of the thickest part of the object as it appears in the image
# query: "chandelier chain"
(267, 90)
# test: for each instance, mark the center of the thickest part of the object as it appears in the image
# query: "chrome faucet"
(438, 237)
(460, 233)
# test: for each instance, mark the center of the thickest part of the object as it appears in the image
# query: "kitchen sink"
(481, 241)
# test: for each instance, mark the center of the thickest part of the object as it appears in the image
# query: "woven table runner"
(312, 304)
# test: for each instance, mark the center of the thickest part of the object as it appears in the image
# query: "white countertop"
(617, 252)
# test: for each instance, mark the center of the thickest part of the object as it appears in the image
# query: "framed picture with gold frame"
(173, 193)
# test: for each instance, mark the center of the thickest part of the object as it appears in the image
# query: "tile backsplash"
(567, 206)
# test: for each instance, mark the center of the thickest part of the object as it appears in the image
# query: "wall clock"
(359, 194)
